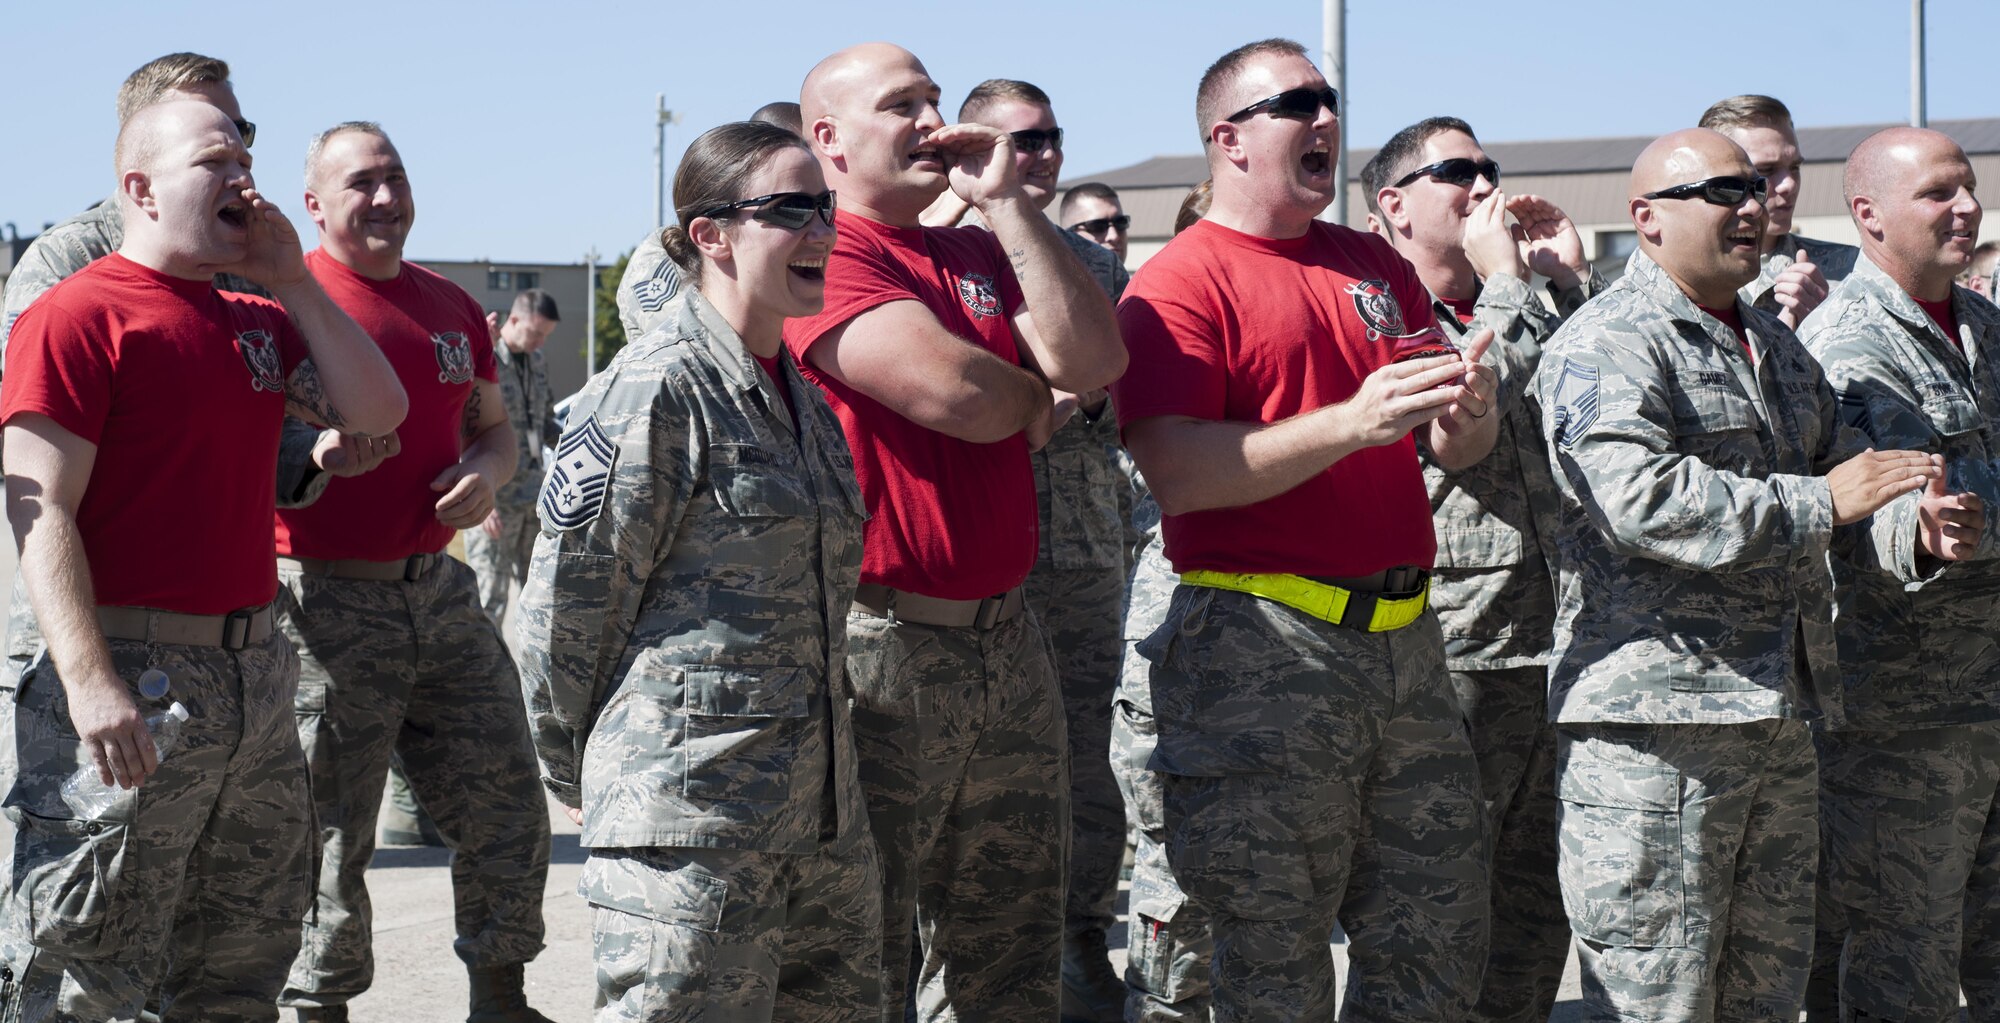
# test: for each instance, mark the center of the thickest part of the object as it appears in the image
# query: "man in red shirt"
(938, 349)
(1314, 761)
(398, 655)
(144, 549)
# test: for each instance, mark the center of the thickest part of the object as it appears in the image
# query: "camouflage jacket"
(649, 295)
(1084, 497)
(531, 407)
(1835, 262)
(1691, 548)
(683, 629)
(97, 232)
(1493, 589)
(1919, 653)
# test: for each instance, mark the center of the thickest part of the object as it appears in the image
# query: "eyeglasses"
(789, 210)
(1102, 226)
(1301, 104)
(248, 130)
(1034, 140)
(1458, 171)
(1727, 190)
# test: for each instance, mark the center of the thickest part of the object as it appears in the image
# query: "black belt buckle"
(1360, 610)
(413, 567)
(236, 629)
(988, 614)
(1404, 581)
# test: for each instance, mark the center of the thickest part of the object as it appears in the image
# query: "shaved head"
(1690, 154)
(869, 113)
(832, 84)
(1890, 154)
(1910, 192)
(1709, 250)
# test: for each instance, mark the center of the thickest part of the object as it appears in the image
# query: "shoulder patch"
(659, 287)
(579, 478)
(1576, 401)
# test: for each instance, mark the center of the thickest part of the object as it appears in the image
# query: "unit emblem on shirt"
(580, 476)
(260, 353)
(980, 298)
(1378, 309)
(454, 356)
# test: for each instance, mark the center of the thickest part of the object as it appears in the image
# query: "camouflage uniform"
(1835, 262)
(651, 292)
(683, 644)
(1495, 599)
(1077, 589)
(1909, 779)
(192, 885)
(524, 388)
(1693, 634)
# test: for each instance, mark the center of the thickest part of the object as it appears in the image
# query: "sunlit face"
(1290, 161)
(1928, 213)
(1707, 246)
(1775, 154)
(360, 195)
(1437, 209)
(194, 186)
(782, 270)
(1089, 208)
(1039, 169)
(881, 125)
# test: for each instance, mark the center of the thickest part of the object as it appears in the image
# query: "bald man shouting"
(146, 547)
(938, 349)
(1911, 778)
(1704, 471)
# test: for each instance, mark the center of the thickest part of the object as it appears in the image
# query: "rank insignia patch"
(1576, 401)
(579, 478)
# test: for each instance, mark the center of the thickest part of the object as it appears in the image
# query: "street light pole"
(590, 312)
(660, 161)
(1333, 58)
(1918, 115)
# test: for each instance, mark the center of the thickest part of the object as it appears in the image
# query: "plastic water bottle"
(85, 791)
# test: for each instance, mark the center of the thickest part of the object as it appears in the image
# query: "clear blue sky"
(527, 127)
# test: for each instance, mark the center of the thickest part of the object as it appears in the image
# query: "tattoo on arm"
(469, 425)
(1018, 258)
(305, 398)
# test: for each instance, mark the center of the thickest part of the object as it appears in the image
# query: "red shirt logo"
(260, 353)
(1377, 308)
(454, 357)
(977, 292)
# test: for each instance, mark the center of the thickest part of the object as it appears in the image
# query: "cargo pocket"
(743, 731)
(69, 874)
(653, 930)
(1231, 841)
(1623, 882)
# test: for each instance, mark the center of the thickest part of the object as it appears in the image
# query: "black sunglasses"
(1455, 171)
(789, 210)
(1102, 226)
(1727, 190)
(248, 130)
(1034, 140)
(1301, 104)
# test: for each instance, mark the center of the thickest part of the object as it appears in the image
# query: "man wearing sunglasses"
(1437, 195)
(1303, 711)
(938, 349)
(1794, 271)
(1703, 466)
(1092, 210)
(1908, 777)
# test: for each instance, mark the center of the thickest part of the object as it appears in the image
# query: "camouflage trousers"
(415, 667)
(1687, 865)
(502, 564)
(1313, 773)
(1083, 613)
(688, 935)
(190, 887)
(964, 766)
(1911, 822)
(1167, 950)
(1507, 711)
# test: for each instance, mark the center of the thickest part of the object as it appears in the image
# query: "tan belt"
(904, 606)
(233, 631)
(407, 570)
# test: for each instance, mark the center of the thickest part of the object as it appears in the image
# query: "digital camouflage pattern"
(1312, 773)
(502, 563)
(414, 668)
(1687, 867)
(1834, 260)
(684, 651)
(651, 292)
(1695, 525)
(1919, 672)
(190, 887)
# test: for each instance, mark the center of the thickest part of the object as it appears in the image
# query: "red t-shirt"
(775, 369)
(182, 389)
(1941, 314)
(1463, 308)
(435, 337)
(1226, 326)
(946, 517)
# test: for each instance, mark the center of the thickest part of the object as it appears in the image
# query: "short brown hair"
(1221, 75)
(1088, 190)
(534, 302)
(712, 173)
(162, 75)
(993, 90)
(1746, 111)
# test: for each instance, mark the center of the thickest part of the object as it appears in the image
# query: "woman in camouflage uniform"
(684, 628)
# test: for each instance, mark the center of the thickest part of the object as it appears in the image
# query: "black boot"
(322, 1013)
(497, 997)
(1092, 991)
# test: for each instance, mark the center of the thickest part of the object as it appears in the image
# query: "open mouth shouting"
(808, 269)
(1318, 160)
(928, 157)
(235, 213)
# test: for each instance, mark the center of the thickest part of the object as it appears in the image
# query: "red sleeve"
(58, 369)
(1177, 366)
(867, 277)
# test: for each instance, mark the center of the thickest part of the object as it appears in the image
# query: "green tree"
(610, 332)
